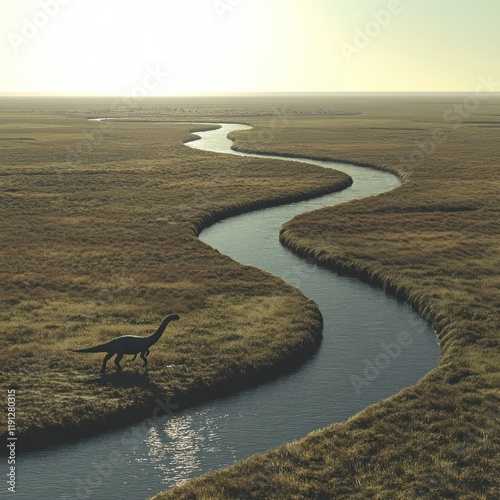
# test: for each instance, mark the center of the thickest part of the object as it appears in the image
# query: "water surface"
(373, 346)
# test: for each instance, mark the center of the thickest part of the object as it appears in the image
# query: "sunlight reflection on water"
(357, 319)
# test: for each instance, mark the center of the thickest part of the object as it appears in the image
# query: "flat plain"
(99, 224)
(101, 241)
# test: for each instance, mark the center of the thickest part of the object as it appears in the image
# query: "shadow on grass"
(127, 379)
(155, 402)
(122, 379)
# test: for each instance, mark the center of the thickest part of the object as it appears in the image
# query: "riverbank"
(104, 244)
(434, 243)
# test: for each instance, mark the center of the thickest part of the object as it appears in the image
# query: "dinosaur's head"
(173, 317)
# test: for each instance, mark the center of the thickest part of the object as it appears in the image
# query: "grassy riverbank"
(99, 226)
(433, 242)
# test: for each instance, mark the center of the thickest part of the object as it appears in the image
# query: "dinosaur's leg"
(135, 356)
(146, 353)
(109, 355)
(143, 356)
(117, 362)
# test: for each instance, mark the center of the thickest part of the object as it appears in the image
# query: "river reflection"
(359, 321)
(188, 444)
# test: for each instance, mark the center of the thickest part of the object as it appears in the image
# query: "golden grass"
(88, 260)
(434, 242)
(99, 240)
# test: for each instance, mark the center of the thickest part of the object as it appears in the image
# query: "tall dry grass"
(433, 242)
(99, 240)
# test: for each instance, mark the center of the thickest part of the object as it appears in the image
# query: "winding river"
(372, 347)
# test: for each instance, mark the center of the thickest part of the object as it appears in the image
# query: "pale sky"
(168, 47)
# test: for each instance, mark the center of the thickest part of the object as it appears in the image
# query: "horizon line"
(250, 94)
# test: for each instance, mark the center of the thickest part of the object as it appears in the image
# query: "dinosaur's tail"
(97, 348)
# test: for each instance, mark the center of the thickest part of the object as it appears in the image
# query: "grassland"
(99, 225)
(433, 242)
(85, 260)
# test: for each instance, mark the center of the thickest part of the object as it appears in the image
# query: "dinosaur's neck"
(157, 335)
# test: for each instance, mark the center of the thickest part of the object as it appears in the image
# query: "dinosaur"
(129, 344)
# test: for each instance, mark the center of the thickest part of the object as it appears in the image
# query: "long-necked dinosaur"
(129, 344)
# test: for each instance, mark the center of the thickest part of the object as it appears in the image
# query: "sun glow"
(68, 46)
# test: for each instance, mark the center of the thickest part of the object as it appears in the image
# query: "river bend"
(360, 323)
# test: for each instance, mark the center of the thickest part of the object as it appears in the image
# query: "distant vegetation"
(433, 242)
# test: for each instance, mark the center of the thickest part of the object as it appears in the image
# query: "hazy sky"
(164, 47)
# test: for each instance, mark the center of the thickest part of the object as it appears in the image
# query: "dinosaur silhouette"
(129, 344)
